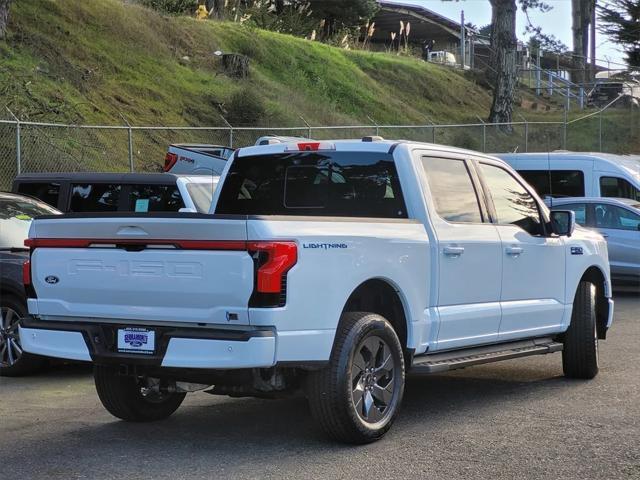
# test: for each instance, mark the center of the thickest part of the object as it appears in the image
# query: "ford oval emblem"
(52, 279)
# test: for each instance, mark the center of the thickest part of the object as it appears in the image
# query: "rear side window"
(94, 197)
(555, 183)
(452, 190)
(617, 218)
(346, 184)
(618, 187)
(155, 198)
(47, 192)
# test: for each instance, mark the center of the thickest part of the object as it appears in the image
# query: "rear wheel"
(130, 398)
(580, 352)
(13, 361)
(357, 397)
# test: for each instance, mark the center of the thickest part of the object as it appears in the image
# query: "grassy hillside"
(80, 61)
(103, 61)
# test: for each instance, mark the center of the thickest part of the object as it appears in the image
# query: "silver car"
(618, 220)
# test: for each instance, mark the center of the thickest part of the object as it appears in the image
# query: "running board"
(442, 362)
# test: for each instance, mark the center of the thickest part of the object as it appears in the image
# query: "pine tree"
(620, 20)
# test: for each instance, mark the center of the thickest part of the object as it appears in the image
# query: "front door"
(469, 257)
(533, 265)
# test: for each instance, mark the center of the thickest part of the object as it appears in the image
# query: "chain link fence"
(46, 147)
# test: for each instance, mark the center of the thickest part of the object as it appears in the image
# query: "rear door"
(469, 256)
(621, 228)
(168, 268)
(533, 265)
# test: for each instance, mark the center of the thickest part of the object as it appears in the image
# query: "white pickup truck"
(331, 268)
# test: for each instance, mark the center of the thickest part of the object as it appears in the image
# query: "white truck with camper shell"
(329, 268)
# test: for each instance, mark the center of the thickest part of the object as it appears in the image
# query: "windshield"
(202, 194)
(16, 214)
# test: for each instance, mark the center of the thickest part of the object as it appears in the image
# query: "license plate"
(136, 340)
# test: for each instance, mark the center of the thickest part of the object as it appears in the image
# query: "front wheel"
(128, 397)
(580, 352)
(357, 397)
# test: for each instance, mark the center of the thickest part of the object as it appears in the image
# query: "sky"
(556, 22)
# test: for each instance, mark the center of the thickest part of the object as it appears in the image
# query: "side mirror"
(563, 222)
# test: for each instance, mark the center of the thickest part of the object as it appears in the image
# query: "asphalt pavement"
(514, 419)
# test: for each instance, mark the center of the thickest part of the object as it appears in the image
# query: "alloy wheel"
(373, 380)
(10, 348)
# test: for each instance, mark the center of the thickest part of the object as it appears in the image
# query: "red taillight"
(26, 273)
(281, 256)
(170, 160)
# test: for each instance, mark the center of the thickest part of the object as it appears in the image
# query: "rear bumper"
(175, 347)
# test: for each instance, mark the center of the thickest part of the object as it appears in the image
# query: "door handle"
(453, 251)
(514, 251)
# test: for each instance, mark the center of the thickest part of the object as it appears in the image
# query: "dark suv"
(16, 213)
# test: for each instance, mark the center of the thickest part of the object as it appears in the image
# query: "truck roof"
(367, 144)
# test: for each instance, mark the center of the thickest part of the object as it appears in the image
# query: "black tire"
(338, 394)
(13, 361)
(122, 397)
(580, 353)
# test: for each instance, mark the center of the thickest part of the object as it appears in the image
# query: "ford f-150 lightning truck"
(330, 268)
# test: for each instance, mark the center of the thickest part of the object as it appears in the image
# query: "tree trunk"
(493, 58)
(216, 8)
(577, 27)
(505, 62)
(235, 65)
(4, 16)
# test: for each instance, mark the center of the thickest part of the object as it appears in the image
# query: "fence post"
(308, 126)
(581, 100)
(564, 131)
(600, 133)
(484, 135)
(550, 84)
(130, 138)
(131, 165)
(376, 124)
(230, 131)
(526, 133)
(568, 97)
(18, 142)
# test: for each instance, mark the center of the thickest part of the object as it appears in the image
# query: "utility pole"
(592, 36)
(462, 40)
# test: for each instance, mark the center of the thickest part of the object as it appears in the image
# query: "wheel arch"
(382, 296)
(595, 275)
(11, 290)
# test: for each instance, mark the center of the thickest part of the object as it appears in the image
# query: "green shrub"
(245, 108)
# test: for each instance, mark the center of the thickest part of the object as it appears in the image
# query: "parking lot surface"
(514, 419)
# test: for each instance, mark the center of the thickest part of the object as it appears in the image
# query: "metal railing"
(27, 146)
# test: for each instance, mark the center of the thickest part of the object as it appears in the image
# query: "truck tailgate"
(189, 268)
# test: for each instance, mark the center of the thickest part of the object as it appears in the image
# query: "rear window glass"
(155, 198)
(347, 184)
(47, 192)
(94, 197)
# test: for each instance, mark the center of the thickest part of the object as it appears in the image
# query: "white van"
(578, 174)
